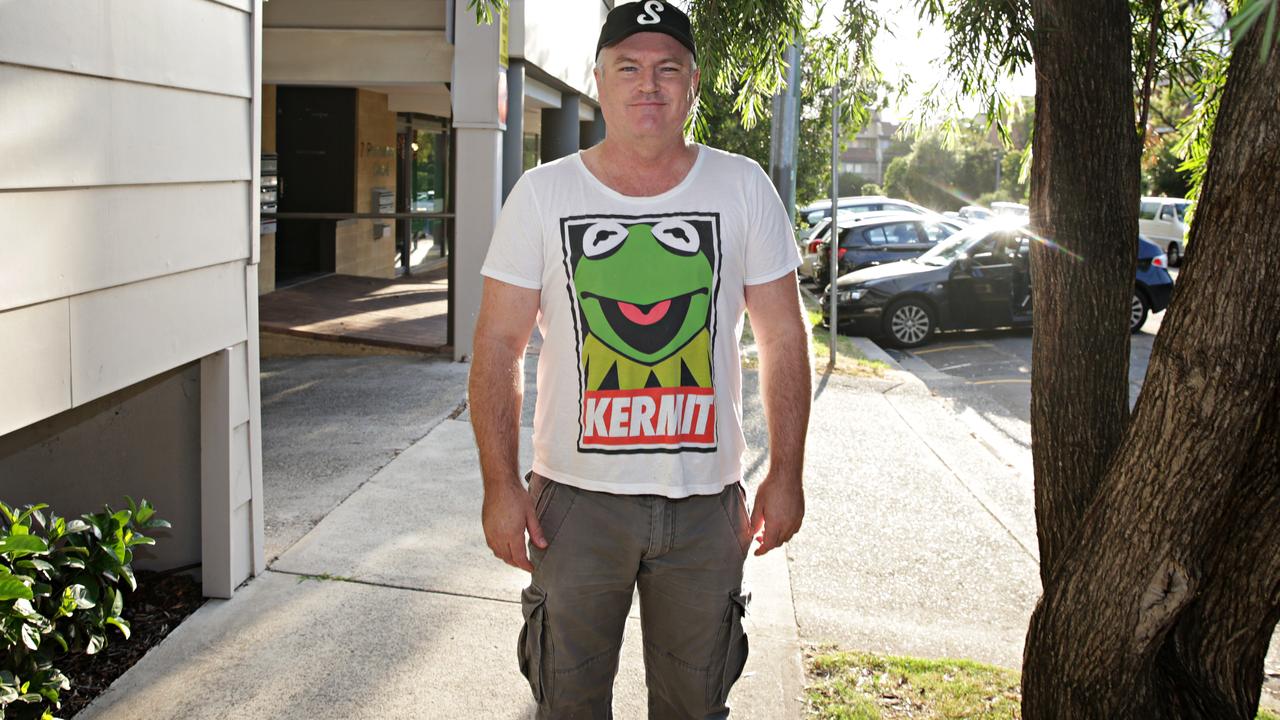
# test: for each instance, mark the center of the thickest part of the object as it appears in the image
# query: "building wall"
(367, 247)
(559, 38)
(81, 459)
(128, 215)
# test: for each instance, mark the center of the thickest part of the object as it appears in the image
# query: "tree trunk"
(1084, 198)
(1163, 597)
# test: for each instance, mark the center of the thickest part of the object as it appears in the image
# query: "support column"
(478, 76)
(560, 128)
(592, 131)
(513, 136)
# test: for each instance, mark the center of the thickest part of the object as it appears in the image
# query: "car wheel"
(1138, 315)
(909, 323)
(1175, 255)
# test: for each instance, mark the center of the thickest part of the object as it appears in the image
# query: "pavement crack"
(325, 577)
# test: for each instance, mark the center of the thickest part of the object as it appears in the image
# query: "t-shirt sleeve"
(771, 243)
(515, 252)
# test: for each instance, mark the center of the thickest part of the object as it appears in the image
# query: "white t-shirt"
(639, 377)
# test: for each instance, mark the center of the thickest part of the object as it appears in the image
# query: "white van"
(1162, 220)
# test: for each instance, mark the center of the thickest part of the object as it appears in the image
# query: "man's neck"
(641, 168)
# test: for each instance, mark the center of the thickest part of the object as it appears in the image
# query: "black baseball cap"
(649, 16)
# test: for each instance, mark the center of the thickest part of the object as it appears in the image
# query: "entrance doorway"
(422, 185)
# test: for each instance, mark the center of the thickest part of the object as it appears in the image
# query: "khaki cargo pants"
(686, 556)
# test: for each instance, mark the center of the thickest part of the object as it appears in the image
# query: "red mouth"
(641, 317)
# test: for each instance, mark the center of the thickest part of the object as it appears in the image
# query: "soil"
(160, 603)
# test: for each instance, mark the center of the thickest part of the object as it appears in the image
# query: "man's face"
(647, 85)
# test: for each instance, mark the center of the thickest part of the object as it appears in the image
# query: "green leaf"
(31, 636)
(30, 698)
(156, 523)
(122, 624)
(8, 513)
(117, 601)
(8, 694)
(97, 641)
(59, 639)
(128, 576)
(141, 540)
(37, 564)
(144, 512)
(77, 526)
(83, 597)
(11, 588)
(18, 545)
(42, 589)
(122, 517)
(27, 611)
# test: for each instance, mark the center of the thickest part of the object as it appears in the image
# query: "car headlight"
(850, 295)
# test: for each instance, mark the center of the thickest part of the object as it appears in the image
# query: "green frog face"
(645, 290)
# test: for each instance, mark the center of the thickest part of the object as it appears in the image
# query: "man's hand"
(779, 509)
(508, 511)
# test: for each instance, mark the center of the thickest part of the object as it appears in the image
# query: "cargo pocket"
(731, 651)
(531, 648)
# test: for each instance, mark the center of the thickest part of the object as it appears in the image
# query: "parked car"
(879, 238)
(1010, 209)
(815, 212)
(975, 214)
(1162, 220)
(979, 278)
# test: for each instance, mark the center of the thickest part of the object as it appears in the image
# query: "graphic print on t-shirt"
(643, 289)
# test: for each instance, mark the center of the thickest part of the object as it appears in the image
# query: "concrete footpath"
(382, 600)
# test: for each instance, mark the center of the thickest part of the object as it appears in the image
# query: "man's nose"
(649, 80)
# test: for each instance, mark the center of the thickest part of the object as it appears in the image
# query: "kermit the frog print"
(644, 288)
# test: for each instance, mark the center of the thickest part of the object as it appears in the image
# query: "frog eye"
(677, 236)
(602, 238)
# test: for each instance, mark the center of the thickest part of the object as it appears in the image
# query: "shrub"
(61, 586)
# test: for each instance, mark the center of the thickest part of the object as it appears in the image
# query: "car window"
(849, 238)
(1181, 208)
(903, 233)
(994, 249)
(1147, 211)
(875, 236)
(1166, 212)
(935, 231)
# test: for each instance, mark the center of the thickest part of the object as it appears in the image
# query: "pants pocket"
(531, 647)
(731, 651)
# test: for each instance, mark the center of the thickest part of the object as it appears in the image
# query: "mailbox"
(384, 202)
(269, 191)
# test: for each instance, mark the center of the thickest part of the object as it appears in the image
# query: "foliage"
(871, 189)
(61, 586)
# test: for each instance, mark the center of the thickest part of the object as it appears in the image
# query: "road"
(998, 362)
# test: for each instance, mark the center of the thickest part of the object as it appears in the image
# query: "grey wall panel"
(69, 242)
(180, 43)
(63, 130)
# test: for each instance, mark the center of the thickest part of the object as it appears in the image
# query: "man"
(636, 258)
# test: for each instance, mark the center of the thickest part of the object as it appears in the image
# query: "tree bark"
(1084, 196)
(1162, 601)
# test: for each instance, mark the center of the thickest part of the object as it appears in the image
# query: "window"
(1166, 212)
(894, 234)
(936, 231)
(1147, 211)
(995, 249)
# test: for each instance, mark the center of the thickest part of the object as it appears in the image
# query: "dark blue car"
(979, 278)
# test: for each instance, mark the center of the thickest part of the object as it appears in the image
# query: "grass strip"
(866, 686)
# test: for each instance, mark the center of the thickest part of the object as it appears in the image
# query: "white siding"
(64, 130)
(192, 44)
(69, 242)
(34, 364)
(125, 334)
(369, 14)
(355, 57)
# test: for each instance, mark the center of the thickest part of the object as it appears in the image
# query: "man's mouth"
(647, 328)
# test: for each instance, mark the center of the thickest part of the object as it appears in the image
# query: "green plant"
(61, 586)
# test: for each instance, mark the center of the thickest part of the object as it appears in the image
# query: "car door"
(981, 285)
(1021, 282)
(887, 243)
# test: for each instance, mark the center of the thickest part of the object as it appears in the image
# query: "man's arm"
(495, 391)
(786, 384)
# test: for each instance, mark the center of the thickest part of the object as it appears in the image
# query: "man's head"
(646, 69)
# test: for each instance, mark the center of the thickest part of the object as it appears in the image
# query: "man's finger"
(535, 530)
(520, 558)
